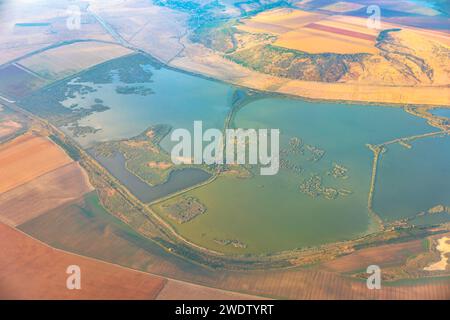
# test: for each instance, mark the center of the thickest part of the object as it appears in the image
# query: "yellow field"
(353, 24)
(279, 21)
(314, 32)
(380, 94)
(63, 61)
(321, 33)
(316, 41)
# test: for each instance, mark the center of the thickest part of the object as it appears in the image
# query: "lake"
(269, 213)
(266, 213)
(178, 100)
(441, 112)
(414, 180)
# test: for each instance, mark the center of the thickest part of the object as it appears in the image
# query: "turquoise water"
(178, 100)
(441, 112)
(414, 180)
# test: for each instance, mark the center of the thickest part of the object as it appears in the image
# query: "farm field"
(46, 192)
(85, 228)
(156, 29)
(15, 82)
(279, 21)
(22, 35)
(313, 32)
(26, 158)
(11, 123)
(44, 279)
(177, 290)
(63, 61)
(33, 270)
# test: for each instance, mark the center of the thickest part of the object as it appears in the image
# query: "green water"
(414, 180)
(269, 213)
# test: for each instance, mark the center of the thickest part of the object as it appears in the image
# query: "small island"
(185, 209)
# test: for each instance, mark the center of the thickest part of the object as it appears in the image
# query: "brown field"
(69, 59)
(178, 290)
(74, 231)
(33, 270)
(344, 32)
(44, 193)
(331, 35)
(27, 157)
(70, 228)
(354, 23)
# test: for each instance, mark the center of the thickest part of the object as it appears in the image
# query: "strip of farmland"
(349, 33)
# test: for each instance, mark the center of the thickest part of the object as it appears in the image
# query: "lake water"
(441, 112)
(414, 180)
(269, 213)
(177, 180)
(178, 100)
